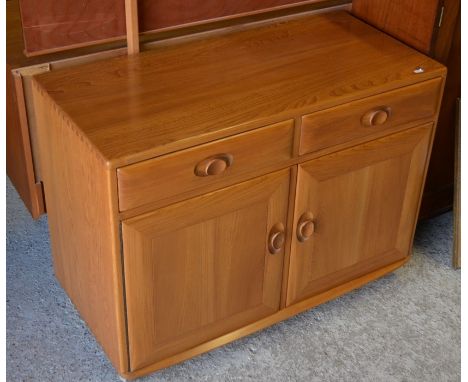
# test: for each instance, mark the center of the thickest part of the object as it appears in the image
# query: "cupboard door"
(356, 211)
(204, 267)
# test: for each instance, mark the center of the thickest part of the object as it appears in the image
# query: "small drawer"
(204, 168)
(387, 112)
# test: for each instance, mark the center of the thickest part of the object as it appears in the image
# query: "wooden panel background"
(161, 14)
(51, 25)
(411, 21)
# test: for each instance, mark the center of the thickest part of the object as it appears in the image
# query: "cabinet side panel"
(19, 161)
(83, 227)
(15, 158)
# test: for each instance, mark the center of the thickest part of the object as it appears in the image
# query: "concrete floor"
(403, 327)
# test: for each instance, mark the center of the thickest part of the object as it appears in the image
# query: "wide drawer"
(383, 113)
(204, 168)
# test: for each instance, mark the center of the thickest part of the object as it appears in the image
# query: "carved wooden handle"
(305, 227)
(276, 239)
(377, 116)
(214, 165)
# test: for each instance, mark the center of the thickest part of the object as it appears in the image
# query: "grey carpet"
(403, 327)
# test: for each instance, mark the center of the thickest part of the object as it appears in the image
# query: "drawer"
(204, 168)
(369, 117)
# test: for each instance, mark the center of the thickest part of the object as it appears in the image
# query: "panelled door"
(356, 211)
(204, 267)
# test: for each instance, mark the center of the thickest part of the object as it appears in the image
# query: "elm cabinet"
(209, 188)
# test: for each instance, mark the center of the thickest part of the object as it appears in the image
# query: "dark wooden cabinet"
(439, 189)
(433, 27)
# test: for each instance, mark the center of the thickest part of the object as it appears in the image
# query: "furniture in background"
(433, 27)
(213, 186)
(21, 143)
(50, 25)
(439, 189)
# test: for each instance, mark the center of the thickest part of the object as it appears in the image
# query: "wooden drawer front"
(369, 117)
(204, 168)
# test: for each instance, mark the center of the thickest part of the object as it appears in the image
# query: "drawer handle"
(305, 227)
(276, 239)
(376, 117)
(214, 165)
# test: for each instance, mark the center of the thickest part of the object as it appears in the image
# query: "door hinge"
(441, 15)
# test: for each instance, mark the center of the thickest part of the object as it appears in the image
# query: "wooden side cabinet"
(202, 191)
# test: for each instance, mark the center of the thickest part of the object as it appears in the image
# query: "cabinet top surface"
(133, 108)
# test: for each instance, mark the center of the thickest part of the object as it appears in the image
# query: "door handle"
(214, 165)
(305, 227)
(276, 239)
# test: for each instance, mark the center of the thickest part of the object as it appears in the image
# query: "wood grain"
(411, 21)
(132, 110)
(54, 26)
(85, 241)
(344, 123)
(15, 51)
(49, 24)
(172, 177)
(163, 14)
(16, 59)
(201, 268)
(364, 204)
(283, 314)
(22, 153)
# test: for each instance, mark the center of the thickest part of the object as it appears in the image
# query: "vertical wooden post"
(131, 19)
(457, 196)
